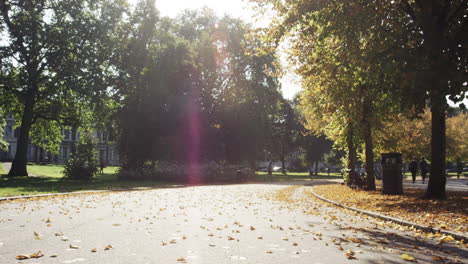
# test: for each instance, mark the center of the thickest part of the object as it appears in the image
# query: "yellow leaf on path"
(252, 228)
(48, 220)
(172, 241)
(230, 238)
(37, 234)
(270, 252)
(407, 257)
(447, 238)
(181, 260)
(443, 226)
(74, 247)
(94, 250)
(350, 254)
(163, 243)
(37, 254)
(295, 244)
(107, 247)
(21, 257)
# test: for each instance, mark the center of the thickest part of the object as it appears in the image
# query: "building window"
(64, 152)
(66, 134)
(8, 131)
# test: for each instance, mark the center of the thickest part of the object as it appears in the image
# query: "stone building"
(106, 148)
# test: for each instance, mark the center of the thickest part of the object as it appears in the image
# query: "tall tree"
(197, 87)
(421, 42)
(54, 53)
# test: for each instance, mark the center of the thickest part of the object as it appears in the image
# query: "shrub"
(83, 165)
(208, 172)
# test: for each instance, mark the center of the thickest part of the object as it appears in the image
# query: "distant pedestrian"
(459, 168)
(101, 167)
(424, 167)
(413, 168)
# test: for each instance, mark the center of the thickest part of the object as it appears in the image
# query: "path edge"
(11, 198)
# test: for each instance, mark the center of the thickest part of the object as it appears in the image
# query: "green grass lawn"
(294, 176)
(50, 180)
(2, 170)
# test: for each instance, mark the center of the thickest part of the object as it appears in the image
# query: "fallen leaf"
(37, 254)
(172, 241)
(252, 228)
(270, 252)
(21, 257)
(436, 258)
(295, 244)
(407, 257)
(230, 238)
(107, 247)
(181, 260)
(74, 246)
(94, 250)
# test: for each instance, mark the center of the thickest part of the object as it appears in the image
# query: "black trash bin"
(392, 177)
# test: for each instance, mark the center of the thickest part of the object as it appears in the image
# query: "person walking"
(424, 167)
(413, 168)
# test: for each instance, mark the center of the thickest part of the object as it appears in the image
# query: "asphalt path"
(249, 223)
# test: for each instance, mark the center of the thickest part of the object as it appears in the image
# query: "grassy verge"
(50, 180)
(449, 214)
(2, 170)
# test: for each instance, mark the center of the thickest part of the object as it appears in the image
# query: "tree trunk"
(283, 166)
(316, 167)
(369, 147)
(18, 167)
(437, 179)
(352, 155)
(433, 30)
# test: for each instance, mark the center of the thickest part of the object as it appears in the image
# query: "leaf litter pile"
(450, 214)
